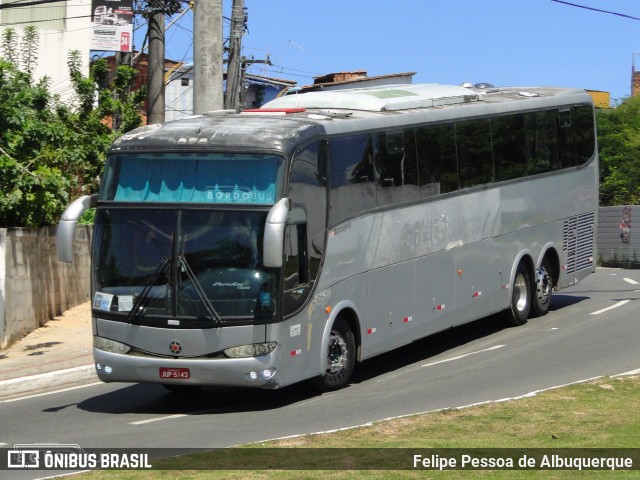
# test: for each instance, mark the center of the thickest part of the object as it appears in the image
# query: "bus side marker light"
(461, 272)
(296, 352)
(370, 331)
(328, 309)
(477, 294)
(407, 319)
(439, 307)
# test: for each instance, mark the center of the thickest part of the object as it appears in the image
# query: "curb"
(43, 381)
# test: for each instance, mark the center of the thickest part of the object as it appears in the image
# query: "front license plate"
(175, 373)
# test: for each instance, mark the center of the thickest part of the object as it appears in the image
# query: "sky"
(502, 42)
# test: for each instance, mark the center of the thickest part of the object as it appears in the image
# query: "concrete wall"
(34, 286)
(619, 236)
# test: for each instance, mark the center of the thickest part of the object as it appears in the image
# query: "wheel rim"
(544, 287)
(337, 355)
(520, 293)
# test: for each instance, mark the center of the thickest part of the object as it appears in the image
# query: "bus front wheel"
(341, 357)
(518, 311)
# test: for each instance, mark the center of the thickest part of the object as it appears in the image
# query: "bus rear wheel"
(341, 357)
(518, 311)
(543, 290)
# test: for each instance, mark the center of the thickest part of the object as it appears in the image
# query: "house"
(354, 79)
(179, 91)
(62, 26)
(178, 95)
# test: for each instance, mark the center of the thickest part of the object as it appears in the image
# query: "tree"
(619, 145)
(51, 152)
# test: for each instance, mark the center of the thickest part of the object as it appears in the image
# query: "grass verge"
(595, 415)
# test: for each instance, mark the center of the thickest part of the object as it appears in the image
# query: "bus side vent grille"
(577, 242)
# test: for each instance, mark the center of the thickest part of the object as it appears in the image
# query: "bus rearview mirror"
(273, 243)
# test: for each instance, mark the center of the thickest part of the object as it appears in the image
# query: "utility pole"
(243, 76)
(155, 69)
(207, 56)
(238, 20)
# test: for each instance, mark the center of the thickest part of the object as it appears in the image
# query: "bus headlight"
(110, 346)
(253, 350)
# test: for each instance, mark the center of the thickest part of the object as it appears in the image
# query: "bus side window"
(352, 177)
(510, 159)
(541, 143)
(305, 239)
(475, 158)
(584, 136)
(395, 165)
(566, 144)
(437, 163)
(295, 256)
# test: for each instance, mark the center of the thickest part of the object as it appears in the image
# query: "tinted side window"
(584, 133)
(541, 143)
(395, 165)
(352, 177)
(510, 159)
(566, 143)
(437, 164)
(475, 159)
(305, 240)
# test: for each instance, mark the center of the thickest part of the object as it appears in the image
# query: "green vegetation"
(51, 151)
(619, 145)
(601, 414)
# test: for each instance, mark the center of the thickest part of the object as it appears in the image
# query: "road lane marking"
(631, 281)
(159, 419)
(619, 304)
(43, 394)
(462, 356)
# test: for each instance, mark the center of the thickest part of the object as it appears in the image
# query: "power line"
(19, 4)
(596, 10)
(4, 24)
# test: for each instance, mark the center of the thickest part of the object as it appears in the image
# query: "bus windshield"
(189, 264)
(192, 178)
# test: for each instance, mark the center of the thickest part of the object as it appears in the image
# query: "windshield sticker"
(125, 303)
(102, 301)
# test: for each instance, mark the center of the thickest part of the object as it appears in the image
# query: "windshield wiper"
(182, 262)
(139, 306)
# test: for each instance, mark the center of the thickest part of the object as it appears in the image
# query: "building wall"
(34, 286)
(619, 236)
(57, 39)
(600, 99)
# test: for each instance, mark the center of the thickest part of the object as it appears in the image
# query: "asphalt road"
(593, 329)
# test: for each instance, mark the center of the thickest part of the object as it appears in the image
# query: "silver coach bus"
(264, 248)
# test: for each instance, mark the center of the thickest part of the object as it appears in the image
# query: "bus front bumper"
(256, 372)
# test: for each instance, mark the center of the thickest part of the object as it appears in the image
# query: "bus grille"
(577, 242)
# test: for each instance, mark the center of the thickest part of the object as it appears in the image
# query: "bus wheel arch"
(544, 281)
(520, 297)
(340, 352)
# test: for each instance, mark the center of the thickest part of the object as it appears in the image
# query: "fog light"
(107, 370)
(252, 376)
(267, 373)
